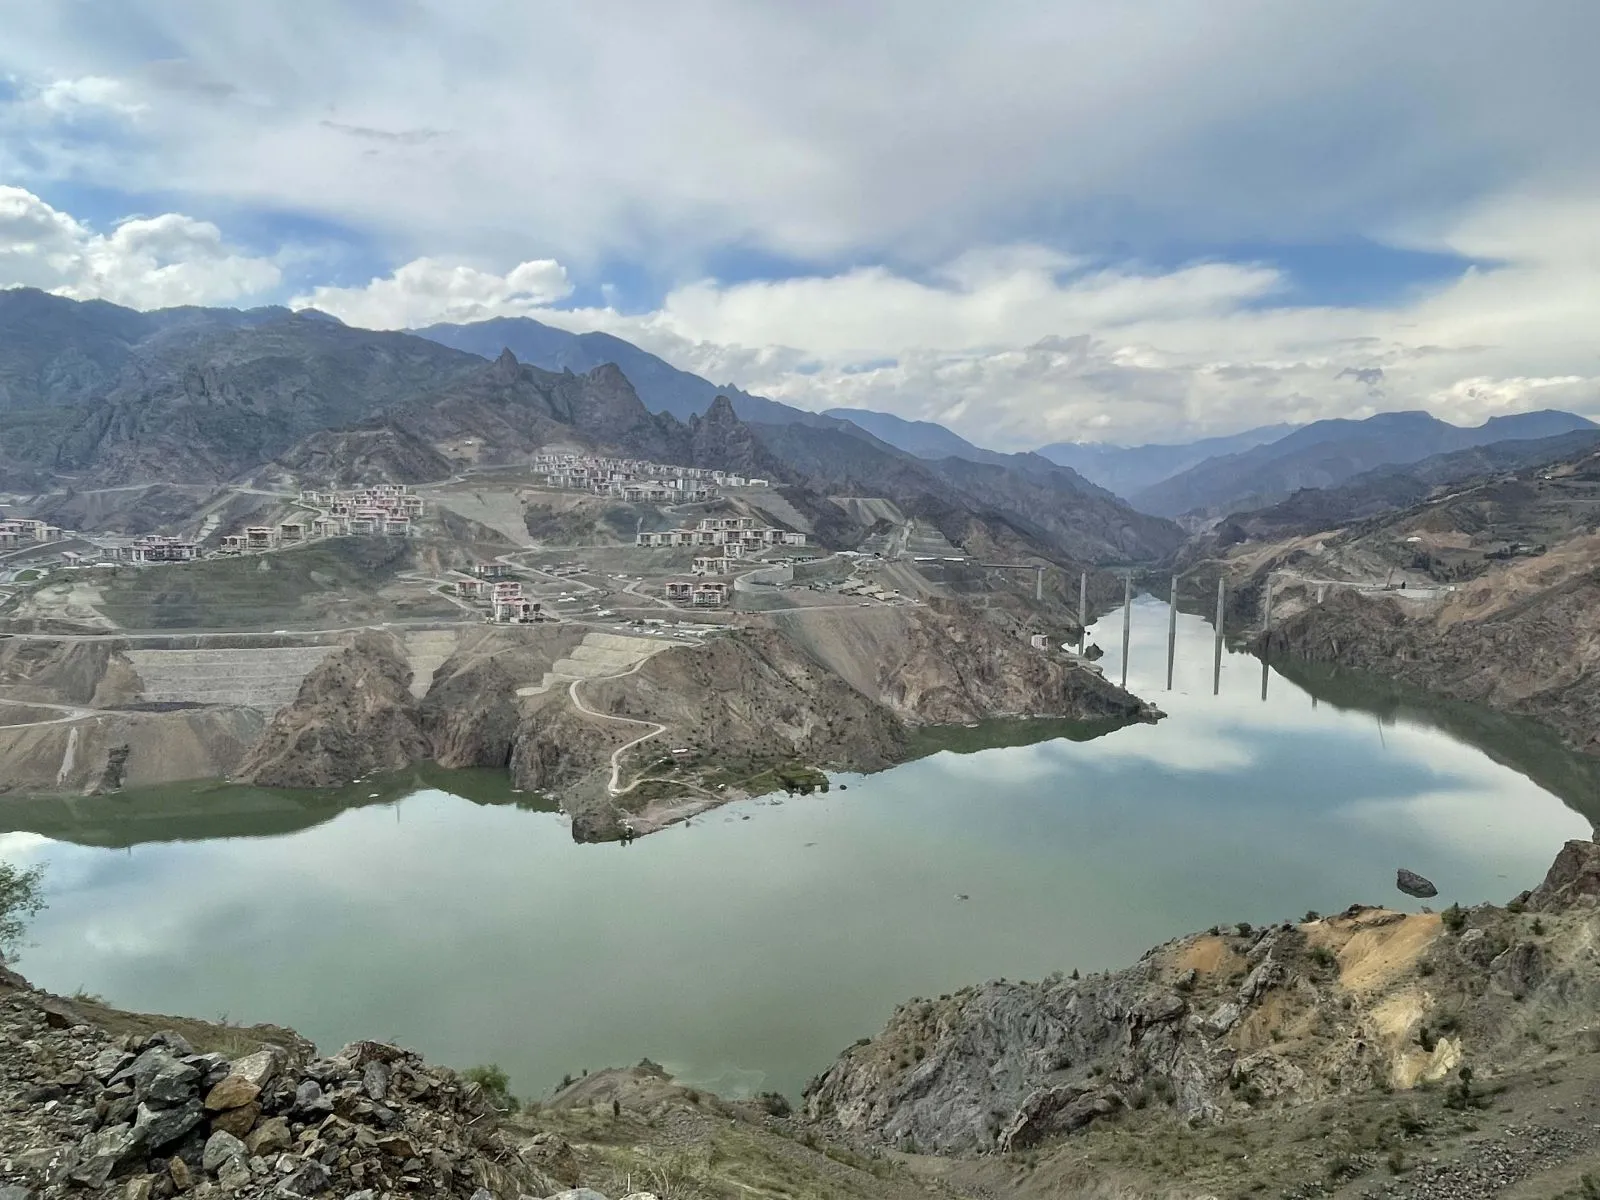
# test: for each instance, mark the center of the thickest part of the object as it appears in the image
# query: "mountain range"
(98, 395)
(1327, 453)
(95, 396)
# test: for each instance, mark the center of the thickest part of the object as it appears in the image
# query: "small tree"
(21, 897)
(495, 1082)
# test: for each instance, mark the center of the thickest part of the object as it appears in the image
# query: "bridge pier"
(1172, 632)
(1127, 622)
(1222, 613)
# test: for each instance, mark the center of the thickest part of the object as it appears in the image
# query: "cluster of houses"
(504, 597)
(387, 510)
(24, 531)
(636, 479)
(733, 537)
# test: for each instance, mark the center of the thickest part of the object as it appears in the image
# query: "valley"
(354, 635)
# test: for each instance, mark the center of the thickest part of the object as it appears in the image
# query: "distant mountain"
(1125, 470)
(1397, 486)
(1327, 453)
(662, 386)
(924, 439)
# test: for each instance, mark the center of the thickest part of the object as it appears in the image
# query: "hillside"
(1484, 594)
(204, 399)
(1397, 486)
(1327, 453)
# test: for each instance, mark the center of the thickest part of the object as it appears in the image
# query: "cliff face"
(354, 715)
(1535, 654)
(1230, 1023)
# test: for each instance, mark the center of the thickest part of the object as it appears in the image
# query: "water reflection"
(746, 950)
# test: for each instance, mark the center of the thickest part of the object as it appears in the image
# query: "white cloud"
(90, 94)
(145, 262)
(426, 291)
(827, 130)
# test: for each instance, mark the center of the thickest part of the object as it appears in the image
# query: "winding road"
(615, 787)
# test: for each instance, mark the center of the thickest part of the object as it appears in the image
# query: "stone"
(220, 1147)
(173, 1041)
(234, 1175)
(157, 1075)
(269, 1137)
(258, 1068)
(309, 1100)
(140, 1187)
(396, 1146)
(109, 1063)
(375, 1080)
(1413, 884)
(578, 1194)
(237, 1121)
(306, 1182)
(369, 1194)
(58, 1014)
(213, 1068)
(15, 1191)
(233, 1092)
(182, 1177)
(644, 1195)
(158, 1128)
(100, 1154)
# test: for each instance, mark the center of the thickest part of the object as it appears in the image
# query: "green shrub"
(21, 898)
(1243, 929)
(1454, 919)
(496, 1084)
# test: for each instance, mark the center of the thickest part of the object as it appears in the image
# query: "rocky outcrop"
(1227, 1023)
(1536, 655)
(1573, 879)
(93, 1116)
(945, 663)
(471, 717)
(354, 715)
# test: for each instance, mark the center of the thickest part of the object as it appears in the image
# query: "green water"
(748, 948)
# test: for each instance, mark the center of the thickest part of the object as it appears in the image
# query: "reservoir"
(746, 949)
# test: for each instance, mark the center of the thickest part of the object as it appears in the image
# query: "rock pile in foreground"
(85, 1115)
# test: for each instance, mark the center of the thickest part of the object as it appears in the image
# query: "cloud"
(818, 131)
(426, 291)
(144, 262)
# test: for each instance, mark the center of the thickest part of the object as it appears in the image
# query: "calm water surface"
(745, 953)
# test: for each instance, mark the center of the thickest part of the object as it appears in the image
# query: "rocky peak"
(506, 366)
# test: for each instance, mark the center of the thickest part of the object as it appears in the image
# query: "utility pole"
(1222, 613)
(1172, 632)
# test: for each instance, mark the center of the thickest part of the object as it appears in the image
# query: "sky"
(1029, 220)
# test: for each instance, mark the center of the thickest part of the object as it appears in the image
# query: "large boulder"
(1413, 884)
